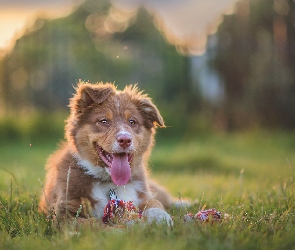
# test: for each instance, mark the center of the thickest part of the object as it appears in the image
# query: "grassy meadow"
(248, 176)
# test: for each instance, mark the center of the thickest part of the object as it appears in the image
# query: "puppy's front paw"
(158, 215)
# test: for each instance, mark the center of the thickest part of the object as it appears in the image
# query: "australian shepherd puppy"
(109, 136)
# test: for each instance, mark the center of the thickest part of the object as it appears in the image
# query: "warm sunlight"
(11, 22)
(185, 24)
(15, 15)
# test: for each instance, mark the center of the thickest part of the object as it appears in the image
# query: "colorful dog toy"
(204, 215)
(118, 211)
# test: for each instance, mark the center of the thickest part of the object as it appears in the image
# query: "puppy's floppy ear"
(88, 94)
(91, 95)
(151, 114)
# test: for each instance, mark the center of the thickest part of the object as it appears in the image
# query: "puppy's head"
(112, 129)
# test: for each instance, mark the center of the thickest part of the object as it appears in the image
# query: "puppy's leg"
(160, 194)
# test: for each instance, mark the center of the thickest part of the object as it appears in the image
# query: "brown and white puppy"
(109, 137)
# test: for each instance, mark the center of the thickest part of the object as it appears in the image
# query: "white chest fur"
(100, 193)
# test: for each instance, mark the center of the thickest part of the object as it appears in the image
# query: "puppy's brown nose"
(124, 141)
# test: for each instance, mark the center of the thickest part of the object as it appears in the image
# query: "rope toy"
(118, 211)
(204, 215)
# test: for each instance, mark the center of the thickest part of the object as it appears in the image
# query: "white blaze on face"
(117, 102)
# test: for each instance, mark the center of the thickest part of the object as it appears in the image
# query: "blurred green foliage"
(254, 57)
(50, 58)
(38, 127)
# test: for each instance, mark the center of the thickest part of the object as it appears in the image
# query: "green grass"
(249, 176)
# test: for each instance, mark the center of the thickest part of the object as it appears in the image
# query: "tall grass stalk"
(67, 192)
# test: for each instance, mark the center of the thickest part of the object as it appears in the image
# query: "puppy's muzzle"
(124, 140)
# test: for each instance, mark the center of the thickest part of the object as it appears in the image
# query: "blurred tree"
(89, 44)
(256, 60)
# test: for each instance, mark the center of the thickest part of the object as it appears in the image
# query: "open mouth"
(119, 164)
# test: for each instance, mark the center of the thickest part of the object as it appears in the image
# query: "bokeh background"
(221, 72)
(208, 65)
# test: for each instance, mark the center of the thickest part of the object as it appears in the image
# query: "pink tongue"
(120, 169)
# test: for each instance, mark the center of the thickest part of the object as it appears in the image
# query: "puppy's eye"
(132, 122)
(103, 121)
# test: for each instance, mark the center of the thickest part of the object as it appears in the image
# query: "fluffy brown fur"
(105, 124)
